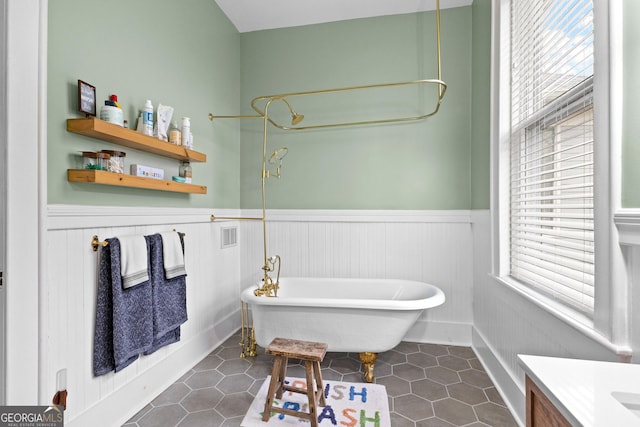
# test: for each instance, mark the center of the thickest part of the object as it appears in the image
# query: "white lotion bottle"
(147, 118)
(186, 132)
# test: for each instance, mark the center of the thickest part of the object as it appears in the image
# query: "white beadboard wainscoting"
(68, 308)
(429, 246)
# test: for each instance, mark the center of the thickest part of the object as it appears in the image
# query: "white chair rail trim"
(67, 217)
(348, 215)
(628, 223)
(64, 217)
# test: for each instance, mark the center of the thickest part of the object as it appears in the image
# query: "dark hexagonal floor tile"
(174, 394)
(464, 352)
(229, 353)
(476, 364)
(255, 387)
(428, 389)
(494, 396)
(400, 421)
(434, 422)
(392, 357)
(259, 370)
(467, 393)
(395, 386)
(202, 418)
(423, 384)
(210, 362)
(382, 369)
(453, 362)
(163, 416)
(234, 405)
(422, 360)
(297, 371)
(457, 413)
(408, 372)
(203, 379)
(353, 377)
(442, 375)
(412, 407)
(476, 378)
(434, 349)
(494, 415)
(345, 365)
(329, 374)
(232, 341)
(235, 383)
(234, 366)
(199, 400)
(407, 347)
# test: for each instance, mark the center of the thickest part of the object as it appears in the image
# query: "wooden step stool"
(312, 353)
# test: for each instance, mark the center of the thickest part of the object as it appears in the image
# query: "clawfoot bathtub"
(367, 316)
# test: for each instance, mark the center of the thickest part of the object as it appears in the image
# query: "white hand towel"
(133, 260)
(172, 255)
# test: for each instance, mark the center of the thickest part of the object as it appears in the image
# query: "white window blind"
(551, 206)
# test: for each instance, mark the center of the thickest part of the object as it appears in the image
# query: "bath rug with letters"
(348, 404)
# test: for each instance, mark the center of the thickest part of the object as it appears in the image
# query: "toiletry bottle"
(186, 132)
(175, 136)
(139, 123)
(114, 98)
(147, 118)
(185, 171)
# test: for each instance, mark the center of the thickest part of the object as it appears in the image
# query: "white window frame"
(610, 323)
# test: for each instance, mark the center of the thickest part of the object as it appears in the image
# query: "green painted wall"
(184, 57)
(480, 117)
(631, 109)
(426, 165)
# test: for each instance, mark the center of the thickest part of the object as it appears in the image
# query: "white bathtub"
(350, 315)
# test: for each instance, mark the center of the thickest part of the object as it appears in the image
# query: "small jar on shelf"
(116, 160)
(95, 161)
(185, 171)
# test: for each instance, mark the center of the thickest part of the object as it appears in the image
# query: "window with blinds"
(551, 171)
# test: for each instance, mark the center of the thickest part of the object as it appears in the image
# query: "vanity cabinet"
(540, 411)
(109, 132)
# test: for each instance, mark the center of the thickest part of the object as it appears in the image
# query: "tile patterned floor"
(429, 385)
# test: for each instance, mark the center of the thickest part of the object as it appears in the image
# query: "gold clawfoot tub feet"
(368, 361)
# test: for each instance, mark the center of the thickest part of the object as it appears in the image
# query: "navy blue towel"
(169, 297)
(140, 319)
(124, 319)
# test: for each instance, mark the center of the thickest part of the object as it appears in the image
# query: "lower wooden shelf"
(122, 180)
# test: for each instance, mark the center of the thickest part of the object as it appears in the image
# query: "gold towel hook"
(95, 243)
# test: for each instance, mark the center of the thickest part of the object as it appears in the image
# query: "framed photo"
(86, 98)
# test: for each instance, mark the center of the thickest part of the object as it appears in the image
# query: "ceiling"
(254, 15)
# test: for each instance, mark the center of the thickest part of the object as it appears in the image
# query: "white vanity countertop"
(582, 389)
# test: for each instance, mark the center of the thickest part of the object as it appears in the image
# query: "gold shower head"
(295, 117)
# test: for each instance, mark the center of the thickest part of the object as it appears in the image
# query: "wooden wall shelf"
(118, 179)
(105, 131)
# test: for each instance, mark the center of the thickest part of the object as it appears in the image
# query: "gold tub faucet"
(269, 287)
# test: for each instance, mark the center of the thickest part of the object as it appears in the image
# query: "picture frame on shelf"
(86, 98)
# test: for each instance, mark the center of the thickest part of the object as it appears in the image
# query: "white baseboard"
(117, 408)
(440, 332)
(509, 388)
